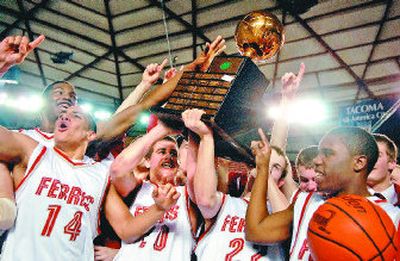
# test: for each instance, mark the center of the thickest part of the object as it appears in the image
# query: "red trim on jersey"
(245, 200)
(62, 154)
(209, 228)
(38, 158)
(303, 210)
(44, 134)
(296, 195)
(101, 202)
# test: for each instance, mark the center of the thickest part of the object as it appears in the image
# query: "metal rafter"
(70, 32)
(30, 13)
(31, 37)
(194, 23)
(359, 81)
(172, 14)
(114, 47)
(87, 66)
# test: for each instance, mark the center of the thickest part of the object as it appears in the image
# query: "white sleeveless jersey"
(225, 239)
(58, 203)
(42, 137)
(305, 206)
(170, 239)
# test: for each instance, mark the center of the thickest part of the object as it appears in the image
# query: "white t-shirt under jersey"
(58, 204)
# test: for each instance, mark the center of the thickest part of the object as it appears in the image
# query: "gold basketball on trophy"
(259, 35)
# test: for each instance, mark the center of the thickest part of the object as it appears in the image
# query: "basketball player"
(346, 156)
(305, 168)
(13, 50)
(224, 238)
(61, 191)
(379, 178)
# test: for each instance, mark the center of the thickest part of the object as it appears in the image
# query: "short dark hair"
(306, 157)
(49, 88)
(359, 142)
(167, 138)
(390, 145)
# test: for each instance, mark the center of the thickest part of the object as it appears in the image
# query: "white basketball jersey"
(42, 137)
(58, 203)
(305, 206)
(170, 239)
(225, 239)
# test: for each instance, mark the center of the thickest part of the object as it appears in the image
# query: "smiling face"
(381, 172)
(333, 165)
(73, 127)
(306, 178)
(163, 162)
(61, 96)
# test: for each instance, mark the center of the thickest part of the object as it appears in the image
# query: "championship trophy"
(231, 91)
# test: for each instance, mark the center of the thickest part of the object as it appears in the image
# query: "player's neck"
(383, 185)
(73, 151)
(46, 125)
(357, 186)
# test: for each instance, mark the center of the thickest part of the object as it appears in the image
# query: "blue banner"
(364, 113)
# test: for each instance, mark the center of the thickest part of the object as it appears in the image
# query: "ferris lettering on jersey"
(233, 224)
(171, 214)
(73, 195)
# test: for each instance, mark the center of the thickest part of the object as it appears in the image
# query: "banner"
(364, 113)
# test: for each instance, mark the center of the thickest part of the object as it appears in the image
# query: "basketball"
(351, 227)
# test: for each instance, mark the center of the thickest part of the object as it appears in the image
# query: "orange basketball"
(351, 227)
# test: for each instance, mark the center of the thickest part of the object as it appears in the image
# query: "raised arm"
(279, 135)
(124, 119)
(124, 164)
(14, 50)
(130, 228)
(208, 199)
(15, 147)
(262, 227)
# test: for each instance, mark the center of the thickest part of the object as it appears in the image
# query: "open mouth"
(167, 165)
(62, 127)
(64, 104)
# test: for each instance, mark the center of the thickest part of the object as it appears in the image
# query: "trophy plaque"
(230, 93)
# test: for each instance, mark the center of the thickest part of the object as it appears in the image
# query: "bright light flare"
(87, 107)
(306, 112)
(102, 115)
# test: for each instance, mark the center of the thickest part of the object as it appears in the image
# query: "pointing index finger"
(301, 71)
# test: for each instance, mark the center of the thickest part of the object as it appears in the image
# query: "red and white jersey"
(42, 137)
(305, 206)
(225, 239)
(58, 204)
(170, 239)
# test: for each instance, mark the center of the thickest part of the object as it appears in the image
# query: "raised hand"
(170, 73)
(165, 196)
(261, 150)
(14, 50)
(192, 120)
(291, 82)
(153, 72)
(203, 61)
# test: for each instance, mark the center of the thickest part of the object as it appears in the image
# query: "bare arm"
(261, 227)
(124, 119)
(15, 147)
(290, 85)
(123, 165)
(208, 199)
(130, 228)
(7, 204)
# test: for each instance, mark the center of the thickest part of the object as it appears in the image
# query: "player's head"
(305, 168)
(162, 161)
(74, 126)
(380, 175)
(58, 96)
(278, 166)
(346, 155)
